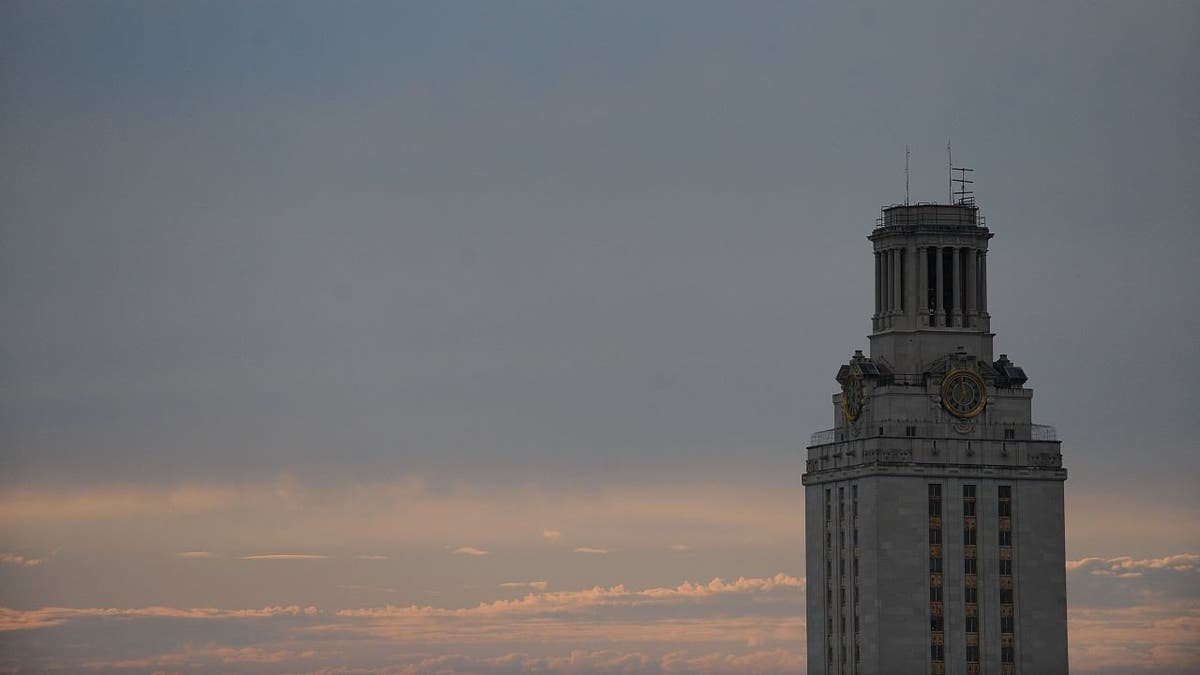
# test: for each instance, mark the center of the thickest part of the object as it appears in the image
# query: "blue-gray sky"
(318, 263)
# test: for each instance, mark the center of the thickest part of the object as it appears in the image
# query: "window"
(969, 536)
(1006, 568)
(1006, 654)
(910, 431)
(935, 567)
(1010, 434)
(969, 566)
(937, 652)
(1005, 495)
(1006, 624)
(972, 624)
(1006, 596)
(971, 596)
(880, 431)
(973, 653)
(1005, 538)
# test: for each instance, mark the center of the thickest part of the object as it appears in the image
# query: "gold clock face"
(852, 395)
(963, 393)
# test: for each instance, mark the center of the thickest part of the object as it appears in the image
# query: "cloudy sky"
(487, 337)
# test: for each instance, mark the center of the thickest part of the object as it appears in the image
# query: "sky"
(488, 337)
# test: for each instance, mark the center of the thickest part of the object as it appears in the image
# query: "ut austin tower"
(934, 506)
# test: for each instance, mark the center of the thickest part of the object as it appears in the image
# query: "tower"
(934, 506)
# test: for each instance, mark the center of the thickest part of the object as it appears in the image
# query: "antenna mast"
(906, 175)
(949, 173)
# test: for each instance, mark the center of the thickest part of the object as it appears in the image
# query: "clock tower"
(934, 506)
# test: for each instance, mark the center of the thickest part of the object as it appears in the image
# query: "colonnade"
(941, 286)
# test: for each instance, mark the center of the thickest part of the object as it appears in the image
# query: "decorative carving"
(964, 426)
(1050, 459)
(896, 456)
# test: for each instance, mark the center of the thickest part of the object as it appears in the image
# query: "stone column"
(922, 305)
(956, 286)
(896, 255)
(883, 287)
(972, 277)
(940, 312)
(878, 290)
(983, 283)
(910, 282)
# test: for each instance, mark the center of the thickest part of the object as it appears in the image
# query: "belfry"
(934, 506)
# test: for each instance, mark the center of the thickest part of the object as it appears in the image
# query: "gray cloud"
(550, 253)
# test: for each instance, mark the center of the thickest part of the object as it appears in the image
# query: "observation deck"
(931, 215)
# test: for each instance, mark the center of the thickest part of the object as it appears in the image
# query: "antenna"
(906, 175)
(949, 173)
(966, 196)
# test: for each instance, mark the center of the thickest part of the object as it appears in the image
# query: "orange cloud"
(560, 602)
(197, 555)
(1142, 638)
(20, 561)
(533, 585)
(285, 556)
(1128, 567)
(46, 617)
(470, 550)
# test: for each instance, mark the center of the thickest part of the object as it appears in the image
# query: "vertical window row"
(1007, 619)
(828, 581)
(970, 580)
(854, 572)
(937, 620)
(842, 580)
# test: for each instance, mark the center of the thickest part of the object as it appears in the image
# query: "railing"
(823, 437)
(1043, 432)
(1037, 432)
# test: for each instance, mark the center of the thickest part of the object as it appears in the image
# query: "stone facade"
(934, 506)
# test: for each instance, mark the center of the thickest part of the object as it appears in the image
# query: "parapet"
(963, 214)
